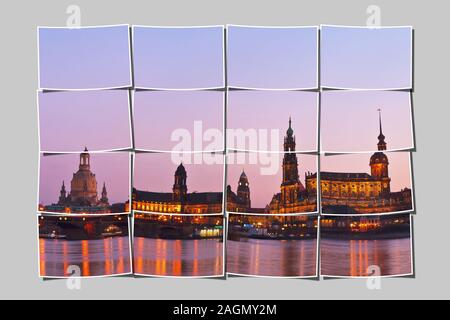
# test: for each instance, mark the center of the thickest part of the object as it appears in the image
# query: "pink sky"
(69, 121)
(349, 120)
(157, 114)
(271, 110)
(263, 187)
(111, 168)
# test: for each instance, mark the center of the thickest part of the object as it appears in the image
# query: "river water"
(108, 256)
(276, 258)
(353, 257)
(190, 258)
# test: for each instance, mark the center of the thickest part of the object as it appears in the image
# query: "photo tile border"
(223, 129)
(214, 88)
(130, 184)
(226, 89)
(318, 189)
(315, 277)
(407, 211)
(411, 148)
(222, 276)
(412, 274)
(313, 89)
(130, 59)
(307, 152)
(410, 88)
(71, 276)
(224, 179)
(130, 122)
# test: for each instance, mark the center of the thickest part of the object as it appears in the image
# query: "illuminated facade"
(361, 192)
(294, 197)
(179, 200)
(83, 195)
(340, 192)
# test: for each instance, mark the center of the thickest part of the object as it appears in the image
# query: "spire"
(381, 143)
(85, 149)
(104, 198)
(289, 131)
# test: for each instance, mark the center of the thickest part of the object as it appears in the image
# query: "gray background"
(19, 156)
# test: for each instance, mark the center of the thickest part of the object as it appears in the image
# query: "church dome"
(83, 187)
(378, 157)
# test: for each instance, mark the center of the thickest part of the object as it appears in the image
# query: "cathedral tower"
(379, 162)
(179, 186)
(243, 190)
(291, 185)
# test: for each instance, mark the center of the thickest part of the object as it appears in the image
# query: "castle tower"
(83, 187)
(291, 185)
(179, 186)
(243, 190)
(379, 163)
(104, 198)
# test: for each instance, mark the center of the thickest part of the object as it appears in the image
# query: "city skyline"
(113, 169)
(155, 172)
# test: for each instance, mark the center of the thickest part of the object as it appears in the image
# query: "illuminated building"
(83, 195)
(361, 192)
(179, 200)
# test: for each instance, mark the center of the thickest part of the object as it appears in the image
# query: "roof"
(152, 196)
(344, 176)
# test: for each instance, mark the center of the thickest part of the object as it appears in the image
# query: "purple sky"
(274, 58)
(366, 58)
(350, 120)
(157, 114)
(271, 110)
(112, 168)
(69, 121)
(263, 187)
(178, 58)
(84, 58)
(155, 172)
(399, 168)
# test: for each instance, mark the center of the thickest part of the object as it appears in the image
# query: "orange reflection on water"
(107, 255)
(85, 257)
(121, 262)
(65, 255)
(177, 253)
(359, 258)
(161, 254)
(139, 255)
(42, 257)
(195, 262)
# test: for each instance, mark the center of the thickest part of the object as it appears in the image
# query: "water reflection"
(192, 258)
(353, 257)
(287, 258)
(108, 256)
